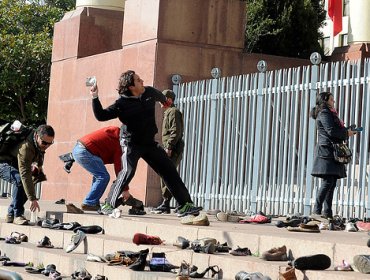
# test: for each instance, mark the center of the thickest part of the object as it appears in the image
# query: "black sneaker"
(313, 262)
(164, 208)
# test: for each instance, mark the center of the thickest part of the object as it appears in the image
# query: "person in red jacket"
(93, 151)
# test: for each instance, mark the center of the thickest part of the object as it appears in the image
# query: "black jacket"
(136, 113)
(329, 131)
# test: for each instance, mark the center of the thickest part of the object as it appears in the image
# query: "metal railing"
(249, 140)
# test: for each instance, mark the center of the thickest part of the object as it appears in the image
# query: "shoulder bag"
(342, 153)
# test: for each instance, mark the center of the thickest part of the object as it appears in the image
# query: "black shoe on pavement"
(164, 208)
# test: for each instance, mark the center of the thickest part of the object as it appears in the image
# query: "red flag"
(336, 14)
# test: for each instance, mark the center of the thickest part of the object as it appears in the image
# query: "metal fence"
(6, 189)
(249, 140)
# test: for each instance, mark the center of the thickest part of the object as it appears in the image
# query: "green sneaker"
(106, 209)
(188, 209)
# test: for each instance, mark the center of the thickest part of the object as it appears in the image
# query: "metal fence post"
(315, 60)
(261, 66)
(216, 73)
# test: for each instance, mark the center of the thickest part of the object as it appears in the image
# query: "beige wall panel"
(140, 21)
(359, 21)
(213, 22)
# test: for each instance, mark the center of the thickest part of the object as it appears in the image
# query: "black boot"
(139, 264)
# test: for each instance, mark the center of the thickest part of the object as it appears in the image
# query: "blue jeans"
(19, 197)
(95, 166)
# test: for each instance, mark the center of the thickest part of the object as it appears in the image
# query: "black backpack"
(10, 138)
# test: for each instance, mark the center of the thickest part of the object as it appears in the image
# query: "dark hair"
(125, 81)
(321, 103)
(45, 129)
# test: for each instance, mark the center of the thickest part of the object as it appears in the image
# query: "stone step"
(119, 232)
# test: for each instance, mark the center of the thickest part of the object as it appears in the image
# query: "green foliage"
(26, 29)
(284, 27)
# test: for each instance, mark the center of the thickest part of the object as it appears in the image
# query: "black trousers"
(157, 159)
(324, 196)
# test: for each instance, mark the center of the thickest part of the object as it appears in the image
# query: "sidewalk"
(338, 245)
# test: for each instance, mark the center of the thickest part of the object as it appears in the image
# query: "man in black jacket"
(135, 108)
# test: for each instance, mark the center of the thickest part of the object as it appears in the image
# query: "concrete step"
(119, 232)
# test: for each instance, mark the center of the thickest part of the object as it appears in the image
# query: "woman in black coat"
(330, 130)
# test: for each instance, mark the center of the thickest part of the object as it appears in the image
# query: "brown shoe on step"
(71, 208)
(87, 207)
(275, 254)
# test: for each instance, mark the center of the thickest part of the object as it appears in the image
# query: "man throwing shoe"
(22, 167)
(172, 133)
(135, 108)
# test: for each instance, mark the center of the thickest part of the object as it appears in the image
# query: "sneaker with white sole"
(76, 240)
(188, 209)
(21, 220)
(350, 227)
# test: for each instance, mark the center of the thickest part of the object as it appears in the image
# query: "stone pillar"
(117, 5)
(358, 33)
(359, 21)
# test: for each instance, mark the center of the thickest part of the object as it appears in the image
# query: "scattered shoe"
(95, 258)
(141, 238)
(213, 212)
(275, 254)
(48, 223)
(181, 243)
(289, 223)
(76, 240)
(362, 263)
(289, 274)
(60, 201)
(312, 262)
(19, 236)
(232, 217)
(241, 252)
(100, 277)
(81, 274)
(363, 226)
(188, 209)
(242, 275)
(350, 227)
(258, 219)
(215, 270)
(200, 220)
(305, 228)
(21, 220)
(45, 243)
(159, 262)
(66, 226)
(139, 264)
(48, 269)
(345, 266)
(87, 207)
(210, 248)
(71, 208)
(94, 229)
